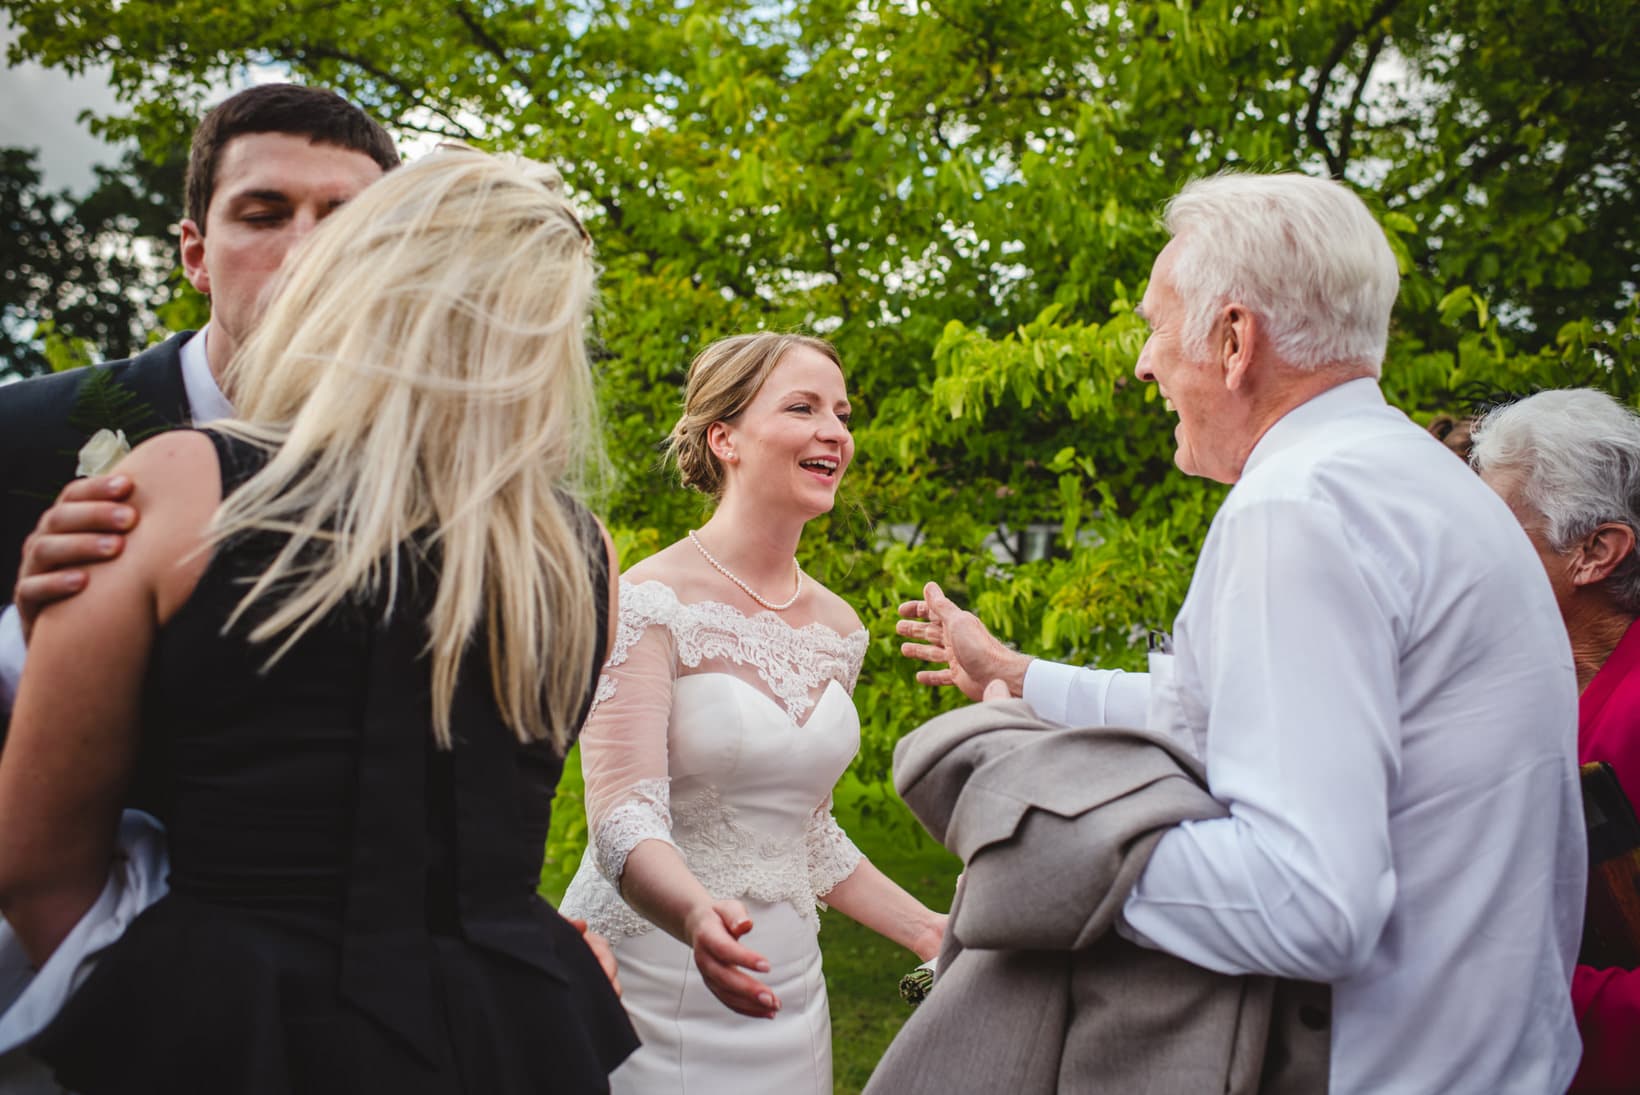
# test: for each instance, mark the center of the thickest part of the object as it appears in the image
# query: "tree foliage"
(83, 274)
(964, 196)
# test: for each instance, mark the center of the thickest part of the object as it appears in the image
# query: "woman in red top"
(1568, 464)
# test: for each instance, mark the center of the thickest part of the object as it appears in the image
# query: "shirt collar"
(1319, 412)
(206, 403)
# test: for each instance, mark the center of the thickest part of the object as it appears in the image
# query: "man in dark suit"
(266, 166)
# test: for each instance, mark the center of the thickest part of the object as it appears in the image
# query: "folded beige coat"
(1036, 993)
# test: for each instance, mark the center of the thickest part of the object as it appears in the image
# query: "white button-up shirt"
(1372, 666)
(206, 403)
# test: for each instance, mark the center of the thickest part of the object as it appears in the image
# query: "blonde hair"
(723, 379)
(422, 375)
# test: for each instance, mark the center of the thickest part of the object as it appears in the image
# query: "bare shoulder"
(835, 612)
(665, 566)
(176, 485)
(175, 471)
(681, 569)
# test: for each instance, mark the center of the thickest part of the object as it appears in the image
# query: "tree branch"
(1347, 135)
(414, 94)
(1347, 37)
(489, 43)
(612, 209)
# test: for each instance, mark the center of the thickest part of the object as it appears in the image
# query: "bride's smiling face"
(792, 442)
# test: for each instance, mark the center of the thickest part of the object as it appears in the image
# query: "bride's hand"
(929, 945)
(713, 932)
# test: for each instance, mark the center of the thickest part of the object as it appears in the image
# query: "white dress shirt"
(1372, 660)
(206, 404)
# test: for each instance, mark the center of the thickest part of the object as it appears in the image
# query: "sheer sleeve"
(832, 855)
(623, 746)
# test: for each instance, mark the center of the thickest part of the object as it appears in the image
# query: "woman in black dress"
(342, 655)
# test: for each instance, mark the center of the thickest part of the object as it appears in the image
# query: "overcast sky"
(41, 108)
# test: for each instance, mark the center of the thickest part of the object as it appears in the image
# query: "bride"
(723, 720)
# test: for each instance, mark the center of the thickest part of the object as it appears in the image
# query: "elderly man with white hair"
(1568, 465)
(1369, 662)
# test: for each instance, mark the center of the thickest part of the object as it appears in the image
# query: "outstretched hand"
(973, 657)
(713, 934)
(87, 524)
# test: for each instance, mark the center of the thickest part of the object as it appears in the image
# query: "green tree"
(83, 276)
(963, 195)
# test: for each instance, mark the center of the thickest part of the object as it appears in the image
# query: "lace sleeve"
(832, 855)
(855, 645)
(630, 625)
(623, 746)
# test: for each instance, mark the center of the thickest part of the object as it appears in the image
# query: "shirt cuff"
(1127, 700)
(12, 652)
(1128, 931)
(1073, 696)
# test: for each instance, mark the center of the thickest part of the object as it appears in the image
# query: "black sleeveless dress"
(352, 909)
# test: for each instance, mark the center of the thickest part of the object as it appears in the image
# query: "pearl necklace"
(748, 590)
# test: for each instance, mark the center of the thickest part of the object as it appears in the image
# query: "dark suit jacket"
(41, 435)
(43, 424)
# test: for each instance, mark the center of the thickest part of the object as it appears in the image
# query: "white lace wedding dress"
(723, 735)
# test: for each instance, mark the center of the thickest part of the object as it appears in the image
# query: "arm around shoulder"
(73, 737)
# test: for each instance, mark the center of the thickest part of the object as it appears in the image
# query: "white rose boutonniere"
(105, 449)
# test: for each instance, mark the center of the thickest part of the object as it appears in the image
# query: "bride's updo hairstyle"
(723, 379)
(420, 377)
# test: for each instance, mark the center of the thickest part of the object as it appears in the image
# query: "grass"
(863, 969)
